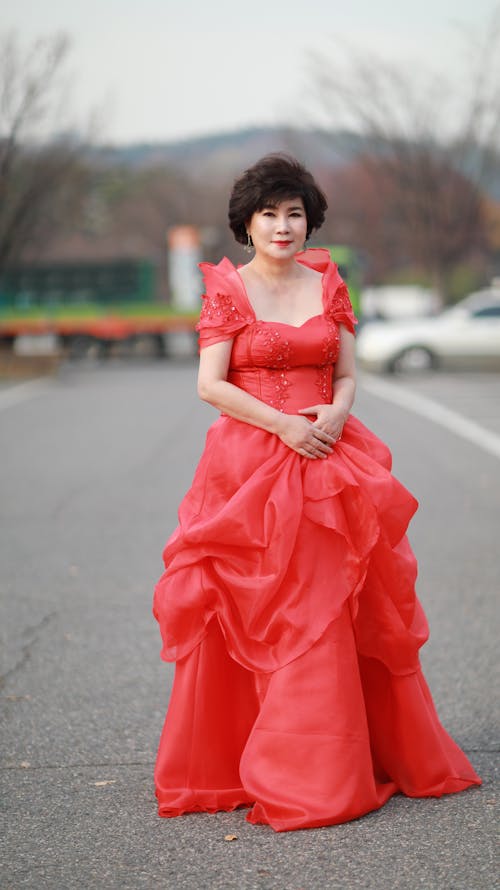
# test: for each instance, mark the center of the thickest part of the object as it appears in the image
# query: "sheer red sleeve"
(337, 303)
(224, 312)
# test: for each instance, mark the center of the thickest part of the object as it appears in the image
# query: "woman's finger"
(304, 453)
(323, 435)
(323, 448)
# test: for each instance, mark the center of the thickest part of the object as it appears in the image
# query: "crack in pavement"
(32, 632)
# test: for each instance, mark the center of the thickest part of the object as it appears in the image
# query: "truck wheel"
(83, 346)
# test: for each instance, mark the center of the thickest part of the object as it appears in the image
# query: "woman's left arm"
(331, 418)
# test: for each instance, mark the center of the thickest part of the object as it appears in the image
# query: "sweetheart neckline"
(286, 324)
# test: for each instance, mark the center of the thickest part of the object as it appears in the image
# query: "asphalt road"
(92, 467)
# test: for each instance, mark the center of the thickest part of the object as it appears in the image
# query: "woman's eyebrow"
(274, 206)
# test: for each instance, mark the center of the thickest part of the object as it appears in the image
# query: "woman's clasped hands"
(313, 439)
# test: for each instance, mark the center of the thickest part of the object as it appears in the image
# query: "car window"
(487, 312)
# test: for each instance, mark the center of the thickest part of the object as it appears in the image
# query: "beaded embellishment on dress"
(329, 353)
(278, 359)
(219, 308)
(339, 301)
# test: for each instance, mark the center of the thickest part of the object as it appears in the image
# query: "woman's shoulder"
(224, 277)
(316, 258)
(225, 310)
(215, 273)
(335, 291)
(319, 260)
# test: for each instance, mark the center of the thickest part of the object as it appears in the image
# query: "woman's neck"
(274, 271)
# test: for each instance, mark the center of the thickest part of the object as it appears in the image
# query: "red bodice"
(285, 366)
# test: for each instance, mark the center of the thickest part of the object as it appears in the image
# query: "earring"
(249, 245)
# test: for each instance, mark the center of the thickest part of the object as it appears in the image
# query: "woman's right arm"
(213, 387)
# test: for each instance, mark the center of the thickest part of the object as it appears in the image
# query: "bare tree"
(40, 173)
(428, 149)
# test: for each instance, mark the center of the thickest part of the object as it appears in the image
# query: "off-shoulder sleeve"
(338, 305)
(223, 312)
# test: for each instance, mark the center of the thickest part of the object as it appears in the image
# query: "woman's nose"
(283, 224)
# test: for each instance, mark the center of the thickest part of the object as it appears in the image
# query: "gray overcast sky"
(162, 69)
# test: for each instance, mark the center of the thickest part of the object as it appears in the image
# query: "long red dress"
(288, 601)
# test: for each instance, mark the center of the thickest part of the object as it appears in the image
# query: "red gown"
(288, 601)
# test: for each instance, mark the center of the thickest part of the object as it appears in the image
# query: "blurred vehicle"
(398, 301)
(90, 309)
(466, 336)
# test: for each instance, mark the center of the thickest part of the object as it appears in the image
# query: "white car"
(466, 336)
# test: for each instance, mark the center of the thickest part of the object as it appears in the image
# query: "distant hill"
(220, 154)
(233, 151)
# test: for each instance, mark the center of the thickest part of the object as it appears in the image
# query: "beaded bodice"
(285, 366)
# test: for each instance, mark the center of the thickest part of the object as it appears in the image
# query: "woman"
(288, 598)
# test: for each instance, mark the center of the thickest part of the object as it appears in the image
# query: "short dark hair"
(276, 177)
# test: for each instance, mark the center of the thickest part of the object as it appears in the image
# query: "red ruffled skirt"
(288, 603)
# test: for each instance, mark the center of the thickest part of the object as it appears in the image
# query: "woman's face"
(280, 231)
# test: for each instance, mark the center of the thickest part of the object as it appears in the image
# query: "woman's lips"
(283, 243)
